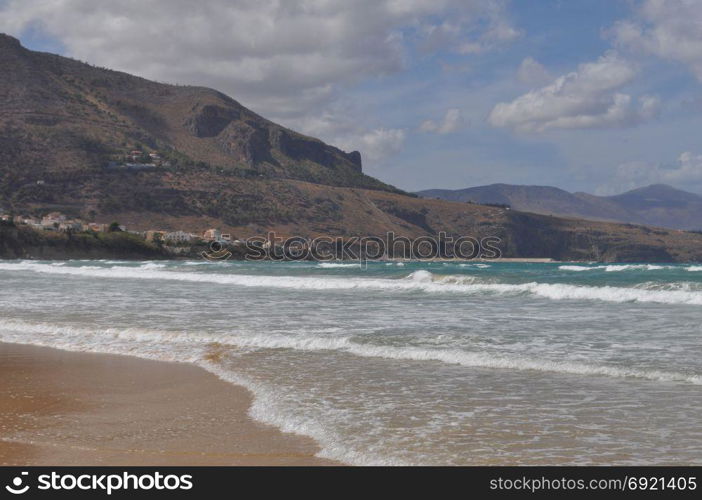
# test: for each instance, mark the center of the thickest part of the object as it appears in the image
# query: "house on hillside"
(94, 226)
(212, 235)
(70, 226)
(23, 219)
(52, 220)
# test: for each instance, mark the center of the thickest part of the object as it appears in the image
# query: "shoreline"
(73, 408)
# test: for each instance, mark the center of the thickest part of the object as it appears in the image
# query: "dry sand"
(64, 408)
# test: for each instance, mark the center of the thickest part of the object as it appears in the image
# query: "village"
(134, 159)
(57, 221)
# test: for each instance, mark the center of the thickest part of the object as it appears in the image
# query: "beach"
(65, 408)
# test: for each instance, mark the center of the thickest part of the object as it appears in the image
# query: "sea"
(407, 363)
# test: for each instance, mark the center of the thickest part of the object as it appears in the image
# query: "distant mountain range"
(655, 205)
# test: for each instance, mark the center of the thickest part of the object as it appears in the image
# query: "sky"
(599, 96)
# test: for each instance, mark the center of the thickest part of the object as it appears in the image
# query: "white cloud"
(685, 174)
(585, 98)
(453, 120)
(379, 143)
(289, 60)
(340, 126)
(474, 28)
(500, 33)
(670, 29)
(532, 72)
(283, 58)
(428, 126)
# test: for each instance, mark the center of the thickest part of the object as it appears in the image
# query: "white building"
(52, 220)
(178, 237)
(70, 225)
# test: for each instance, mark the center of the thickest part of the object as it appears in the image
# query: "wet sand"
(64, 408)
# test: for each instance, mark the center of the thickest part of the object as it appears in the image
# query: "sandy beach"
(65, 408)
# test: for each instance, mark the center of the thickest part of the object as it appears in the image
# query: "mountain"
(656, 205)
(107, 146)
(61, 115)
(662, 205)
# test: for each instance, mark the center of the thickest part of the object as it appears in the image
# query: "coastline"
(68, 408)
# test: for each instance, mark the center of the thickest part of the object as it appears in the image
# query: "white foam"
(615, 267)
(577, 268)
(632, 267)
(556, 291)
(421, 276)
(116, 340)
(332, 265)
(267, 408)
(417, 281)
(152, 265)
(458, 357)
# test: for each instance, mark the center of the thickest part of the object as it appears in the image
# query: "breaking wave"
(333, 265)
(188, 347)
(418, 281)
(615, 267)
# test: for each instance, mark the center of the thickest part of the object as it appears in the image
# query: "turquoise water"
(406, 363)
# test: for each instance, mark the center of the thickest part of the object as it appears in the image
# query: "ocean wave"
(685, 286)
(615, 267)
(613, 294)
(635, 267)
(268, 407)
(458, 357)
(577, 268)
(188, 347)
(332, 265)
(152, 265)
(307, 342)
(421, 280)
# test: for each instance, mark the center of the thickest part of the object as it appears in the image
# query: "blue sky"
(590, 95)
